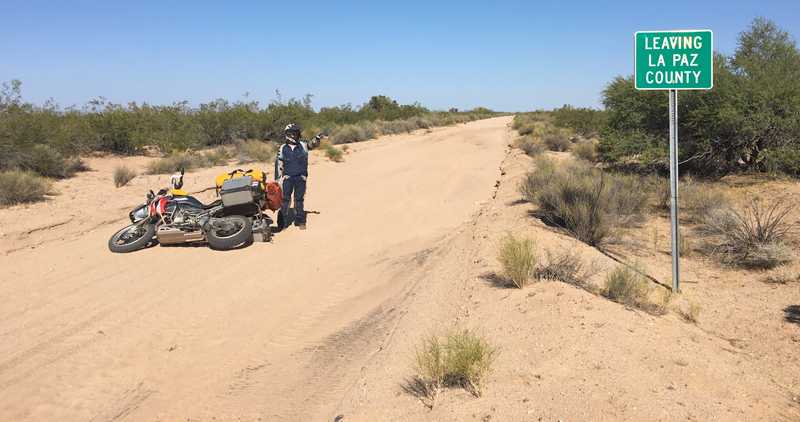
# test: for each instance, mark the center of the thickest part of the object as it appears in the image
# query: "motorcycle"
(172, 216)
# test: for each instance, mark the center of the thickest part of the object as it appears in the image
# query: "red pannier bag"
(274, 196)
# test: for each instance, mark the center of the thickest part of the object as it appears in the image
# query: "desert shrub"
(468, 361)
(628, 285)
(782, 275)
(348, 134)
(753, 236)
(693, 309)
(254, 151)
(173, 163)
(783, 160)
(122, 175)
(527, 121)
(333, 153)
(565, 265)
(532, 146)
(558, 141)
(48, 162)
(587, 202)
(696, 199)
(215, 157)
(463, 360)
(517, 258)
(586, 150)
(583, 121)
(21, 186)
(665, 303)
(345, 147)
(684, 245)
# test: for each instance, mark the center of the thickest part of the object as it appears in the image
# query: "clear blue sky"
(503, 55)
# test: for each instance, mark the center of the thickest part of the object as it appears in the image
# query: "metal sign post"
(674, 60)
(673, 187)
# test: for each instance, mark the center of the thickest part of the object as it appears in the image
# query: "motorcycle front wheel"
(228, 239)
(131, 238)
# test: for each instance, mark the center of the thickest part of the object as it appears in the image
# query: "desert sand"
(320, 325)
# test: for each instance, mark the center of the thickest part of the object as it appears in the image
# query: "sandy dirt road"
(274, 331)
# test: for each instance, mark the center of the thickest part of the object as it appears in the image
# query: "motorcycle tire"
(124, 242)
(223, 241)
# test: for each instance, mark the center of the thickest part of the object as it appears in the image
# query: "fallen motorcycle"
(172, 216)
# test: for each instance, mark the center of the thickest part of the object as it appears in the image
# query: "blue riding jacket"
(293, 161)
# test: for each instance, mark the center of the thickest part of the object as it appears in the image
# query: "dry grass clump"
(355, 133)
(518, 259)
(122, 175)
(429, 364)
(396, 127)
(589, 203)
(697, 199)
(532, 123)
(629, 286)
(463, 360)
(585, 150)
(215, 157)
(557, 141)
(693, 309)
(665, 303)
(173, 163)
(782, 275)
(566, 265)
(754, 235)
(333, 153)
(531, 145)
(22, 186)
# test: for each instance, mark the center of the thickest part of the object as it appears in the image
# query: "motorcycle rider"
(291, 172)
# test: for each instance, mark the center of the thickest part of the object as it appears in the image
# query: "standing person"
(291, 172)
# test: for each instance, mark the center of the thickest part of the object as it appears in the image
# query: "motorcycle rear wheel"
(125, 241)
(226, 240)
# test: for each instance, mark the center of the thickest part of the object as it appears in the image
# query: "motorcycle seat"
(213, 204)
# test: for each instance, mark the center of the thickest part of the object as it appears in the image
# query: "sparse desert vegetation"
(462, 359)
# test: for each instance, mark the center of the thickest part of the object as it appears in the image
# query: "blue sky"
(503, 55)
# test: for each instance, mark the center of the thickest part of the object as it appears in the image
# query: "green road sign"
(674, 60)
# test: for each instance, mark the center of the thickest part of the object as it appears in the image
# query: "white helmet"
(292, 132)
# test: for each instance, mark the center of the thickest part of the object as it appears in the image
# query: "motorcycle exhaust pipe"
(169, 236)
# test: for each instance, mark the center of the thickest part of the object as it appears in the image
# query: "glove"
(319, 136)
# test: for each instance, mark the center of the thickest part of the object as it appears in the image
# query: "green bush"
(517, 258)
(582, 121)
(587, 202)
(122, 175)
(20, 187)
(333, 153)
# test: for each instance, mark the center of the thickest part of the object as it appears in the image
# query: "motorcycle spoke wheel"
(224, 240)
(131, 238)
